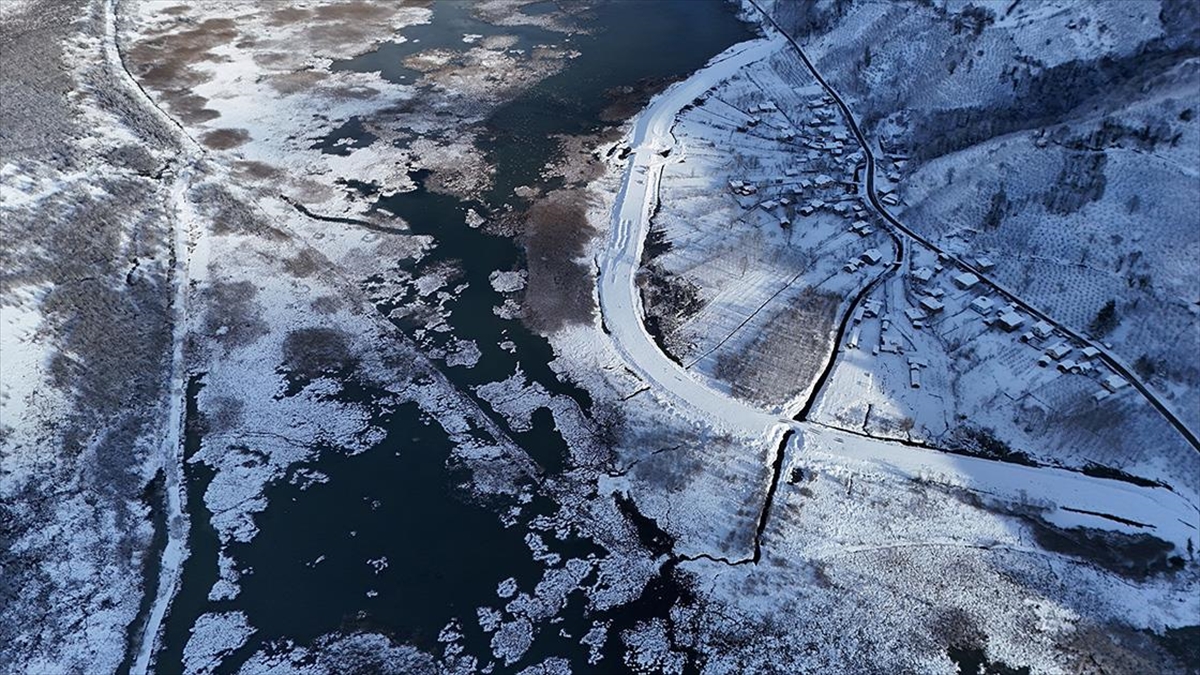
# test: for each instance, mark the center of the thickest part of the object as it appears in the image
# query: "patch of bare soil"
(290, 83)
(233, 316)
(224, 139)
(359, 10)
(258, 170)
(580, 163)
(303, 264)
(166, 63)
(560, 287)
(786, 358)
(489, 75)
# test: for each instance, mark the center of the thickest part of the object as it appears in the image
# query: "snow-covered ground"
(620, 303)
(1069, 499)
(1064, 499)
(24, 354)
(851, 554)
(757, 236)
(914, 565)
(975, 379)
(1055, 139)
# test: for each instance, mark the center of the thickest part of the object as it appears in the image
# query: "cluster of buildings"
(963, 291)
(1067, 357)
(1056, 349)
(824, 137)
(799, 193)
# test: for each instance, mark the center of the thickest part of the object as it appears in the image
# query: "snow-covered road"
(186, 235)
(1070, 499)
(1106, 355)
(620, 301)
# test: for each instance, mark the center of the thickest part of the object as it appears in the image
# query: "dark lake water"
(446, 555)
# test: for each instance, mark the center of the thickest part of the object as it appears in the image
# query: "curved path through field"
(620, 301)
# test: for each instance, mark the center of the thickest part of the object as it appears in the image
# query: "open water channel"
(398, 501)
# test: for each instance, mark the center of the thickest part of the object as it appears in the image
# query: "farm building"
(922, 274)
(1058, 350)
(932, 305)
(1115, 383)
(1069, 366)
(983, 304)
(966, 280)
(1011, 321)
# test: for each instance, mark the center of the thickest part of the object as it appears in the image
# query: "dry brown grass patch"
(560, 287)
(224, 139)
(257, 170)
(786, 356)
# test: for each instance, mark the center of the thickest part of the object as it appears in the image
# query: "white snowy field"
(1072, 410)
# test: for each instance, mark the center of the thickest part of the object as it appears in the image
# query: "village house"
(1058, 350)
(1042, 329)
(966, 280)
(1010, 321)
(932, 305)
(1114, 383)
(983, 304)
